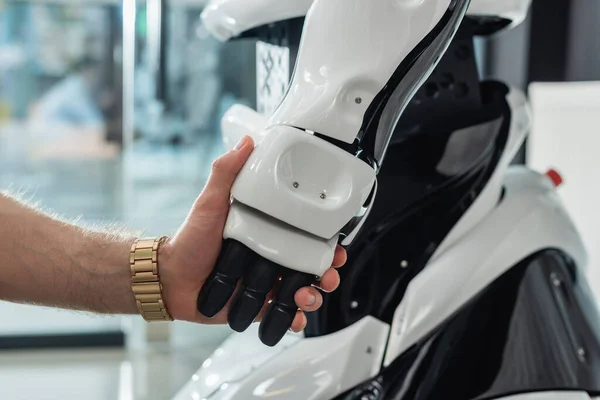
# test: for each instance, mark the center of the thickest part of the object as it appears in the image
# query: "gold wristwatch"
(146, 285)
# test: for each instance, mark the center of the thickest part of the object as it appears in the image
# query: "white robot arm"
(228, 19)
(311, 178)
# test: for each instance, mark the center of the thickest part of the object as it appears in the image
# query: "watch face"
(272, 76)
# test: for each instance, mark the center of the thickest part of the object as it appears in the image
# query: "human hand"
(189, 257)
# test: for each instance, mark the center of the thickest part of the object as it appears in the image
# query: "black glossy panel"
(451, 97)
(428, 51)
(534, 329)
(415, 207)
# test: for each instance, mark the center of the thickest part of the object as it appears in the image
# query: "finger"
(221, 317)
(340, 257)
(268, 301)
(308, 299)
(299, 322)
(330, 280)
(216, 193)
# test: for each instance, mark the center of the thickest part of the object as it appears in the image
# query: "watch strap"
(146, 286)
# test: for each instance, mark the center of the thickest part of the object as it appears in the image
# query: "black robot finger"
(220, 285)
(257, 282)
(281, 312)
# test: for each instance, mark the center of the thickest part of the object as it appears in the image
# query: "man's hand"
(50, 262)
(188, 258)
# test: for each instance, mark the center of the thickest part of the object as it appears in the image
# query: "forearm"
(49, 262)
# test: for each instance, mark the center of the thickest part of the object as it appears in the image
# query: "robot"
(466, 275)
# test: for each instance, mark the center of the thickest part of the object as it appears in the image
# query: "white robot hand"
(311, 178)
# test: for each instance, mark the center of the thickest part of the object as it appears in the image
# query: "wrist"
(164, 264)
(171, 289)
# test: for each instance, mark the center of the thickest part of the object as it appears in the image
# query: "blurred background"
(109, 113)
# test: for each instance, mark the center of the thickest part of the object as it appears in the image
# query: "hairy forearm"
(49, 262)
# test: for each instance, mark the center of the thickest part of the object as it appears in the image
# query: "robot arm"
(311, 178)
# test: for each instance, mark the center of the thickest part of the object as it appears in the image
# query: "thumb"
(216, 193)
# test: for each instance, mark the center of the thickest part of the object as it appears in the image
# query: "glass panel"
(60, 113)
(110, 113)
(183, 82)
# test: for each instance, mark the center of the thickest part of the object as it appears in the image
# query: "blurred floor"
(96, 374)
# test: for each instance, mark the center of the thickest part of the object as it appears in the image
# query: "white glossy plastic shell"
(304, 181)
(239, 121)
(226, 19)
(530, 218)
(306, 369)
(342, 66)
(279, 242)
(229, 18)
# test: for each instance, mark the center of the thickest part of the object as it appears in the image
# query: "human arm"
(50, 262)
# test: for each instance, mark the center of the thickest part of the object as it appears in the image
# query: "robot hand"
(311, 179)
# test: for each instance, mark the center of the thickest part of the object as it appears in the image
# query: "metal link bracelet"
(145, 278)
